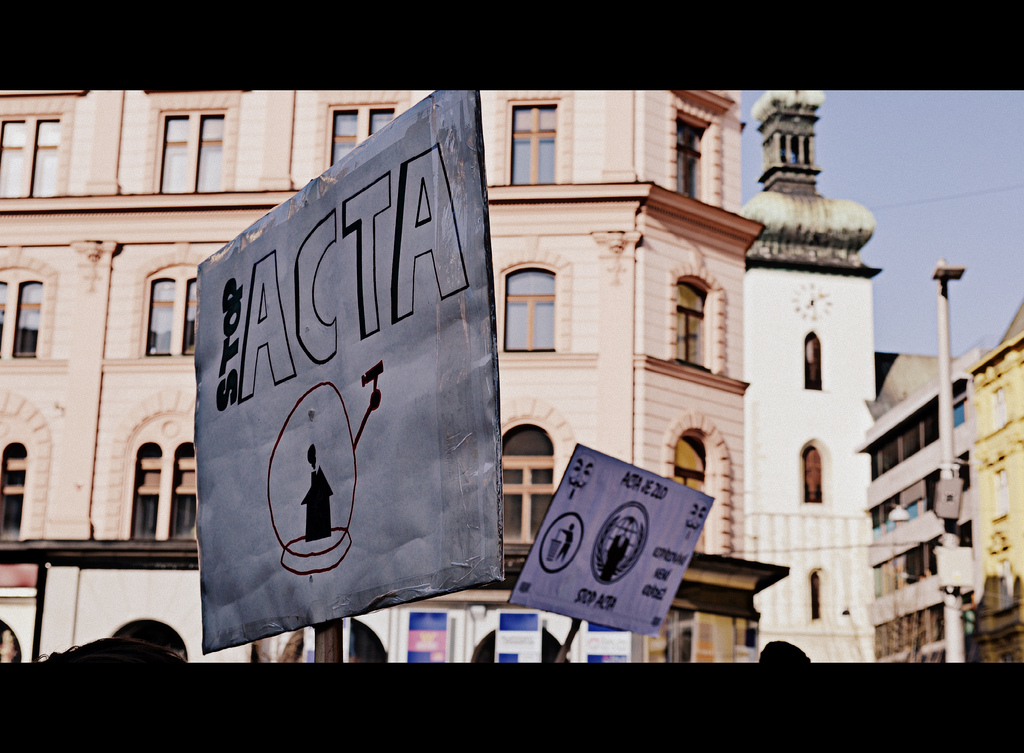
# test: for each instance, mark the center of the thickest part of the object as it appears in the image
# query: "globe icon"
(619, 543)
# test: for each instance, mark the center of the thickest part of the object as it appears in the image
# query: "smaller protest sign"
(613, 546)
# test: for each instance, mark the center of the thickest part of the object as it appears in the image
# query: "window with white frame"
(164, 500)
(193, 153)
(21, 302)
(28, 157)
(171, 322)
(353, 125)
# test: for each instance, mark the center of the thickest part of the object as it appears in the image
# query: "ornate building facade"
(809, 359)
(618, 253)
(999, 455)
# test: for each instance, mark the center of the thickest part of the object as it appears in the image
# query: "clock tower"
(809, 359)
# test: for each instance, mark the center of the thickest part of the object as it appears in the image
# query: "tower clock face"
(812, 302)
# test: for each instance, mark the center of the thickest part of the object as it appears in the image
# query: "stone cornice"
(546, 360)
(141, 203)
(151, 364)
(10, 367)
(690, 374)
(657, 200)
(825, 267)
(707, 99)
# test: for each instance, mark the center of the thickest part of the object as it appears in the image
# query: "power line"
(918, 202)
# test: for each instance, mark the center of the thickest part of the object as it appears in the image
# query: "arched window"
(528, 479)
(530, 310)
(811, 462)
(21, 308)
(812, 362)
(147, 491)
(183, 504)
(815, 596)
(171, 328)
(690, 463)
(690, 324)
(12, 491)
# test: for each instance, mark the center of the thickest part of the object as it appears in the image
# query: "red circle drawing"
(297, 555)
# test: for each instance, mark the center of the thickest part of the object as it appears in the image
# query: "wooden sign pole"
(328, 649)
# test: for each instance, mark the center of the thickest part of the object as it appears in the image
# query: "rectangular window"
(147, 492)
(999, 409)
(1003, 495)
(175, 176)
(211, 152)
(379, 119)
(3, 309)
(183, 507)
(193, 154)
(533, 144)
(959, 413)
(29, 150)
(345, 129)
(688, 159)
(44, 171)
(12, 491)
(530, 310)
(356, 125)
(12, 159)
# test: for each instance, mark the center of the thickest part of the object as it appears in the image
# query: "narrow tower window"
(812, 362)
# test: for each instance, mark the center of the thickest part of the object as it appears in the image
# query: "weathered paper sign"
(347, 435)
(613, 546)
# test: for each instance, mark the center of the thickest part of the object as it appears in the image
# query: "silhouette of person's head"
(781, 652)
(115, 651)
(311, 455)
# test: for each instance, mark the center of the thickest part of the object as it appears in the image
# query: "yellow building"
(999, 453)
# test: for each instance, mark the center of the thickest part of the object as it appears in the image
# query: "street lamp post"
(949, 471)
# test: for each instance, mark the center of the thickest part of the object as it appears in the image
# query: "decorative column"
(617, 306)
(68, 515)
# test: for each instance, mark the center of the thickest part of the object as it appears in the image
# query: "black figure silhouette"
(317, 501)
(615, 554)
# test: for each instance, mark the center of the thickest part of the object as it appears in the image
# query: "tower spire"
(787, 129)
(801, 227)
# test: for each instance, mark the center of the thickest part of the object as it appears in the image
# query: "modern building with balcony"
(907, 610)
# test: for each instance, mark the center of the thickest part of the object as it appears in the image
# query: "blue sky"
(943, 174)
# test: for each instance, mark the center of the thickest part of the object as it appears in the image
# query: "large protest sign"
(614, 545)
(347, 433)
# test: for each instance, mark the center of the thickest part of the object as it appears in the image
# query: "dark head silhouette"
(781, 652)
(311, 455)
(115, 651)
